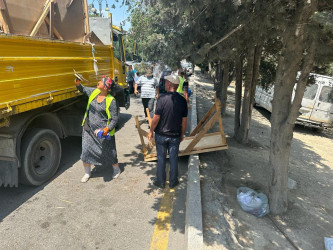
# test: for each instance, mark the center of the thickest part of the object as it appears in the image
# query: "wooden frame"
(199, 141)
(3, 20)
(86, 20)
(48, 9)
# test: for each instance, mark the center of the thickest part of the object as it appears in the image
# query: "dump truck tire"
(41, 154)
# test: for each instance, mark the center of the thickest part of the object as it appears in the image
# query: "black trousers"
(148, 103)
(131, 87)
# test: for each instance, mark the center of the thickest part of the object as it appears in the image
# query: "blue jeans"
(164, 143)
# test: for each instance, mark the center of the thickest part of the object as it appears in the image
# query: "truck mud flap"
(8, 173)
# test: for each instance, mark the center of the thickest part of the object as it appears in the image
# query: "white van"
(317, 103)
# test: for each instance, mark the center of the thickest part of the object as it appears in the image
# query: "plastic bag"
(328, 243)
(252, 202)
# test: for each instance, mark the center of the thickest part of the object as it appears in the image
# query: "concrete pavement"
(100, 214)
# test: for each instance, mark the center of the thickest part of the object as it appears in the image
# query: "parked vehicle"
(317, 103)
(39, 103)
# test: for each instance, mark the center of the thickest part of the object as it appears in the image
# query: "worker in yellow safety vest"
(98, 133)
(183, 86)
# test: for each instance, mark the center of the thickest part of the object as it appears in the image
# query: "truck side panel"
(36, 72)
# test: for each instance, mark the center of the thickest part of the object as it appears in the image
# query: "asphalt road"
(100, 214)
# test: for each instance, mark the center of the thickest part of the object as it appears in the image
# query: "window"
(326, 94)
(116, 46)
(310, 91)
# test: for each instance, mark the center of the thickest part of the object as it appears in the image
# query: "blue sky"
(118, 14)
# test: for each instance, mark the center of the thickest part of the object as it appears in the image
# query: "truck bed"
(38, 72)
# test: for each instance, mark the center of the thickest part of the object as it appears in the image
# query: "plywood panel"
(69, 22)
(200, 140)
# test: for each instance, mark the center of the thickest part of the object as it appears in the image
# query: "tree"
(298, 54)
(272, 41)
(252, 71)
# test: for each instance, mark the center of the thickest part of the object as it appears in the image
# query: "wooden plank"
(54, 30)
(202, 121)
(145, 134)
(2, 5)
(204, 151)
(188, 140)
(153, 157)
(199, 141)
(41, 18)
(148, 116)
(208, 125)
(209, 134)
(208, 140)
(3, 19)
(86, 17)
(218, 108)
(144, 150)
(51, 24)
(218, 111)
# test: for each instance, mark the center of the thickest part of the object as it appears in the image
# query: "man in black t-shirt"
(169, 124)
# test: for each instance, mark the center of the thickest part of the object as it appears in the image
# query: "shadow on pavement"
(12, 198)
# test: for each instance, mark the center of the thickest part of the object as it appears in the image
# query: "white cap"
(172, 78)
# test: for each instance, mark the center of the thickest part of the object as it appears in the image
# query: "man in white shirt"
(149, 91)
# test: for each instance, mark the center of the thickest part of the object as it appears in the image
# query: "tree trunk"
(285, 111)
(252, 72)
(255, 75)
(219, 80)
(238, 93)
(283, 119)
(225, 83)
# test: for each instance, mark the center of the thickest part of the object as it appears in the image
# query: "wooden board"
(209, 143)
(26, 17)
(199, 141)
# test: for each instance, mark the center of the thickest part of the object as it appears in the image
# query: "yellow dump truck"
(41, 43)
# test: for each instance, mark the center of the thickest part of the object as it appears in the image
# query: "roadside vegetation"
(254, 42)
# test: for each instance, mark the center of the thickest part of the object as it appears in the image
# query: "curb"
(193, 218)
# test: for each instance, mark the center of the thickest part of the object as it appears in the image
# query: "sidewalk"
(309, 217)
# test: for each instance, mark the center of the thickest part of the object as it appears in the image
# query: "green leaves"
(171, 30)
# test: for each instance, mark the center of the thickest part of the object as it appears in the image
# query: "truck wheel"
(41, 154)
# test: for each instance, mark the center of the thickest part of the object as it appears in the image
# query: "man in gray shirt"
(149, 91)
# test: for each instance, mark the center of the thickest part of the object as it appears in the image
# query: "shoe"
(158, 184)
(85, 178)
(176, 183)
(115, 174)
